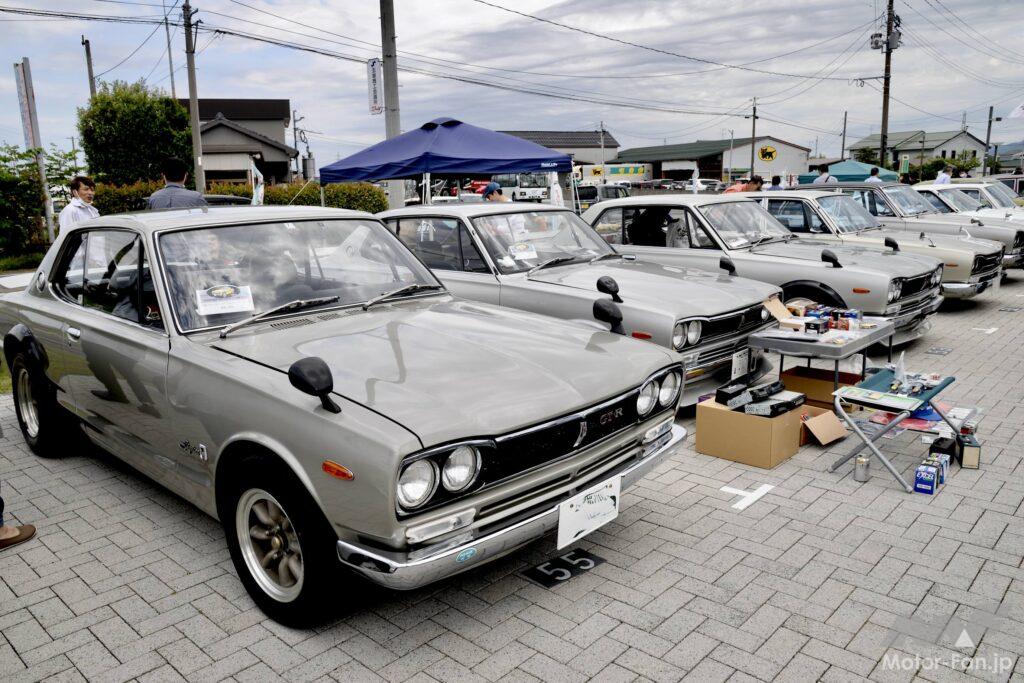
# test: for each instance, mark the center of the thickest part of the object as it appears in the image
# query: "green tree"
(866, 156)
(21, 202)
(61, 167)
(128, 129)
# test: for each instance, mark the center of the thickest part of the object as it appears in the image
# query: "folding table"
(879, 399)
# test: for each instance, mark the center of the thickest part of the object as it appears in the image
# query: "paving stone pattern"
(823, 578)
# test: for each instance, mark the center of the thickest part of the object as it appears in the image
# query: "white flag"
(1018, 112)
(257, 184)
(697, 184)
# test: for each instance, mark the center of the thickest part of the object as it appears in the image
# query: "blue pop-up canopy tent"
(850, 171)
(446, 146)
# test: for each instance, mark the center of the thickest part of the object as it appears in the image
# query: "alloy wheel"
(269, 545)
(27, 404)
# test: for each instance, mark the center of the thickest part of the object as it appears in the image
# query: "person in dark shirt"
(174, 195)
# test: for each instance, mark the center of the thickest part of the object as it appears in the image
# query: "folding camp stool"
(880, 382)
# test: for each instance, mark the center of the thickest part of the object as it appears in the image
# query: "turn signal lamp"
(337, 471)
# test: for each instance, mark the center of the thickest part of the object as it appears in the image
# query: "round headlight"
(647, 398)
(693, 331)
(678, 335)
(764, 313)
(669, 389)
(460, 469)
(416, 484)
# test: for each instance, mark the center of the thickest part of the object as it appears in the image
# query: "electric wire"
(140, 46)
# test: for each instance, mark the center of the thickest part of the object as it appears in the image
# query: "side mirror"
(892, 244)
(607, 312)
(607, 285)
(311, 376)
(829, 256)
(726, 264)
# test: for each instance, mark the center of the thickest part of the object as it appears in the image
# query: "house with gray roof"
(584, 146)
(919, 145)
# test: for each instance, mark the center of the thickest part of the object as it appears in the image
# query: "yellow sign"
(767, 153)
(597, 170)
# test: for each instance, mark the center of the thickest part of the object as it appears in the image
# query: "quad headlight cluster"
(660, 391)
(455, 470)
(686, 333)
(895, 289)
(936, 277)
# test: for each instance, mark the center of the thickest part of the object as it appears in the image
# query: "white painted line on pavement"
(985, 330)
(749, 497)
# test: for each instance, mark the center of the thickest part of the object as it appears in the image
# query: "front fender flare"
(20, 338)
(817, 286)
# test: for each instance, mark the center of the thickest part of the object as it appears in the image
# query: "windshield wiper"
(602, 257)
(550, 262)
(296, 305)
(761, 240)
(407, 289)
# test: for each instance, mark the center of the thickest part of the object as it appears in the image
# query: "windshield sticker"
(737, 242)
(522, 252)
(221, 299)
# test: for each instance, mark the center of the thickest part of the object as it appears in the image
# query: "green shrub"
(231, 189)
(21, 202)
(124, 198)
(357, 196)
(21, 261)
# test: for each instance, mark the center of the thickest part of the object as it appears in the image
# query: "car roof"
(470, 210)
(783, 194)
(861, 184)
(678, 199)
(208, 216)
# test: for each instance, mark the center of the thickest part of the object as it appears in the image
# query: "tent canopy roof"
(445, 145)
(850, 171)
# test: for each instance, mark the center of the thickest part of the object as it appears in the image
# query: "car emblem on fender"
(582, 434)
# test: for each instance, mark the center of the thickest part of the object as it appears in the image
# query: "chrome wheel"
(27, 405)
(269, 545)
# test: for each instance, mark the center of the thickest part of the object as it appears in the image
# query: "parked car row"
(407, 396)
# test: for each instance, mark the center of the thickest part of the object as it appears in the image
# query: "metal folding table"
(879, 384)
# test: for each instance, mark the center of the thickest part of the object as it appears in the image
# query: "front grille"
(986, 262)
(1018, 240)
(739, 322)
(915, 285)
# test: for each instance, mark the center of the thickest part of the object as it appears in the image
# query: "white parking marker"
(749, 497)
(985, 330)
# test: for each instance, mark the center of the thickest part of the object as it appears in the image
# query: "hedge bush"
(124, 198)
(357, 196)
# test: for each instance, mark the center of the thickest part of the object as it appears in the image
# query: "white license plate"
(588, 510)
(740, 363)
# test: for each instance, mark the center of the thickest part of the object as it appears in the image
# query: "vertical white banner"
(257, 183)
(374, 84)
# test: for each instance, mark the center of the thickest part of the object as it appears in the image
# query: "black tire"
(817, 295)
(305, 602)
(44, 424)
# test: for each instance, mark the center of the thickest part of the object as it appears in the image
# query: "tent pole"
(427, 199)
(575, 195)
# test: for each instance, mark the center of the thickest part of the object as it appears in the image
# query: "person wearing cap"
(493, 193)
(13, 535)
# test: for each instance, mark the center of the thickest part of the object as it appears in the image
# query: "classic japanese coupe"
(697, 231)
(297, 373)
(545, 259)
(982, 200)
(970, 265)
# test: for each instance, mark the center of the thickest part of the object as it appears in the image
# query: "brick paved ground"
(819, 579)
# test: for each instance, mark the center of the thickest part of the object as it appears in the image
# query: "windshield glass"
(520, 241)
(908, 200)
(533, 180)
(220, 275)
(742, 224)
(847, 213)
(960, 200)
(1002, 195)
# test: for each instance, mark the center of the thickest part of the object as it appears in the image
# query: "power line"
(646, 47)
(852, 49)
(956, 66)
(971, 46)
(140, 46)
(978, 35)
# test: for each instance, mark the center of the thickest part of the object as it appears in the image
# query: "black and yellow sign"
(597, 170)
(767, 153)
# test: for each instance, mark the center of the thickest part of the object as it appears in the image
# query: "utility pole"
(890, 39)
(88, 64)
(295, 135)
(603, 178)
(732, 139)
(74, 150)
(392, 119)
(193, 99)
(33, 139)
(988, 138)
(842, 150)
(753, 137)
(170, 60)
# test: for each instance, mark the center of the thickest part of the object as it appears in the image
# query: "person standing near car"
(753, 185)
(13, 535)
(493, 193)
(80, 208)
(174, 195)
(944, 176)
(824, 177)
(776, 184)
(873, 178)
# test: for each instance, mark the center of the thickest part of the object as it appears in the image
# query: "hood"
(685, 291)
(448, 369)
(891, 263)
(912, 240)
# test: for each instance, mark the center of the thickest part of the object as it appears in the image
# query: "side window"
(861, 197)
(879, 207)
(646, 226)
(684, 232)
(472, 261)
(609, 226)
(112, 281)
(814, 221)
(434, 240)
(70, 279)
(936, 203)
(790, 213)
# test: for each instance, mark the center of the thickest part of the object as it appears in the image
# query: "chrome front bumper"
(914, 324)
(398, 570)
(720, 375)
(1013, 259)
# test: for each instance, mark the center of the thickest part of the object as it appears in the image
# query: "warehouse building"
(715, 158)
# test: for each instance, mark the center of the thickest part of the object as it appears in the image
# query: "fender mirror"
(607, 285)
(829, 256)
(726, 264)
(608, 312)
(892, 244)
(311, 376)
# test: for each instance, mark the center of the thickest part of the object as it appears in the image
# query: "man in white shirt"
(944, 176)
(825, 178)
(873, 178)
(80, 208)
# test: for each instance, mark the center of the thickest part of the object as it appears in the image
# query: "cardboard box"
(821, 426)
(926, 479)
(750, 439)
(816, 383)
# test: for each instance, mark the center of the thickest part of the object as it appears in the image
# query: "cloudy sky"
(957, 55)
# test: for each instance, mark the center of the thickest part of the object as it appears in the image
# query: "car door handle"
(73, 334)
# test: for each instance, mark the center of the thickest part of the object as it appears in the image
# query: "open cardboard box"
(750, 439)
(821, 427)
(817, 384)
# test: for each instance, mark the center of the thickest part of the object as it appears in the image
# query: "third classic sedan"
(697, 231)
(970, 265)
(545, 259)
(981, 200)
